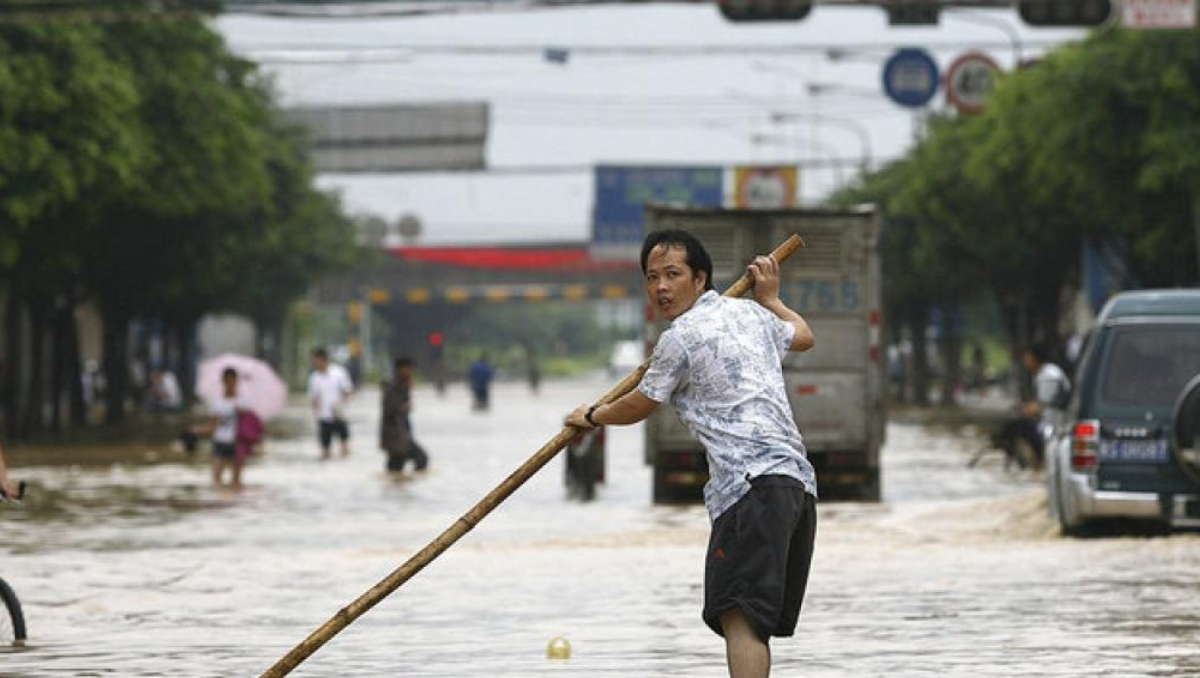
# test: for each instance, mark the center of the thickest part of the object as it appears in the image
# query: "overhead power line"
(588, 168)
(401, 52)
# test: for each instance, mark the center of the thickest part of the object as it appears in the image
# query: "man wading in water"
(720, 364)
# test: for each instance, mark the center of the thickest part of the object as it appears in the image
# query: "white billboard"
(396, 137)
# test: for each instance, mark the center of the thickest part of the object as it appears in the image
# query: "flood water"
(144, 569)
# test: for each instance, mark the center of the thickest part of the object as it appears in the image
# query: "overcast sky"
(680, 106)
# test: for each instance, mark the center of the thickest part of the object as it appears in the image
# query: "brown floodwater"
(139, 567)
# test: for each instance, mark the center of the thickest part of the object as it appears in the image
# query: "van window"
(1148, 366)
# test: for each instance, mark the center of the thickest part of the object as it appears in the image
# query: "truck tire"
(872, 491)
(662, 493)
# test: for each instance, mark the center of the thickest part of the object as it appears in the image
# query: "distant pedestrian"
(223, 427)
(395, 427)
(7, 488)
(1051, 389)
(533, 371)
(329, 386)
(480, 377)
(164, 394)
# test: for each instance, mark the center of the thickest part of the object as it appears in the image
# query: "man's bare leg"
(747, 654)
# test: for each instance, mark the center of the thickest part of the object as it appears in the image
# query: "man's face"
(671, 285)
(320, 363)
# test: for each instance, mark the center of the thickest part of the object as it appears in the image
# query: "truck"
(836, 389)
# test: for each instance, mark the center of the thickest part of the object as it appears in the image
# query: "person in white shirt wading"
(329, 386)
(720, 365)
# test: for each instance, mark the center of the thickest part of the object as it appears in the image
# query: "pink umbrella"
(259, 388)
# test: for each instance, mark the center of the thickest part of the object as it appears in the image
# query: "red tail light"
(1085, 440)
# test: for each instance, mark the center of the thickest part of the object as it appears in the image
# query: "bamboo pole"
(471, 518)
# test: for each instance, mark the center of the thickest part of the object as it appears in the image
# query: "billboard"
(396, 138)
(622, 192)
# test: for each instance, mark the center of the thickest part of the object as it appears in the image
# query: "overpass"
(420, 291)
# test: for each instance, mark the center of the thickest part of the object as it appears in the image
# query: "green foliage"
(145, 167)
(65, 139)
(1099, 140)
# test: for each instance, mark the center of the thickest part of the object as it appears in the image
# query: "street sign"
(910, 77)
(1158, 14)
(970, 80)
(622, 193)
(765, 187)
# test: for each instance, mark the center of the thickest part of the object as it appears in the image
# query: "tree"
(203, 115)
(304, 234)
(65, 146)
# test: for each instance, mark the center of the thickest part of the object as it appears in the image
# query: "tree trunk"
(185, 333)
(58, 367)
(35, 396)
(12, 363)
(951, 355)
(116, 365)
(74, 366)
(918, 321)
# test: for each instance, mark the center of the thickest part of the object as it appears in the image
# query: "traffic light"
(1064, 12)
(764, 10)
(436, 342)
(912, 14)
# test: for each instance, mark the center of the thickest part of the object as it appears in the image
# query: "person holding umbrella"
(241, 392)
(223, 427)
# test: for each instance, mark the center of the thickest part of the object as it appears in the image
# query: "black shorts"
(224, 450)
(330, 428)
(759, 555)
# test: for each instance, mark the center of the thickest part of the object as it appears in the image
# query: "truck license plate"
(1146, 451)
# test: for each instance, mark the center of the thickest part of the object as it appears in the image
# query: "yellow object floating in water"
(559, 648)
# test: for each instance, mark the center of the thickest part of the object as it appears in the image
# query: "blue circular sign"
(910, 77)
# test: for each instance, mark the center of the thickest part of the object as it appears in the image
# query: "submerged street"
(147, 570)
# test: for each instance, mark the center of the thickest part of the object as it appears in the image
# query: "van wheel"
(1058, 507)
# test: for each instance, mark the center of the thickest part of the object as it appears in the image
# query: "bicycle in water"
(12, 618)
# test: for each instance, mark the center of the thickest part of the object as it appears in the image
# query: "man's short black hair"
(320, 353)
(696, 257)
(229, 372)
(403, 361)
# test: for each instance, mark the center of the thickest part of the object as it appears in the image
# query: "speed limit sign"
(765, 187)
(969, 81)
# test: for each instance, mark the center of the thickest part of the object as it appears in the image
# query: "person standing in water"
(720, 365)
